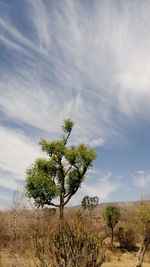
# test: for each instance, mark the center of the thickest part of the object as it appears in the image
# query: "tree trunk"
(61, 210)
(112, 237)
(141, 253)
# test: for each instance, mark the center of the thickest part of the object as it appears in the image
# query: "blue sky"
(87, 60)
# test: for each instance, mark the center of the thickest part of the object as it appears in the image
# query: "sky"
(84, 60)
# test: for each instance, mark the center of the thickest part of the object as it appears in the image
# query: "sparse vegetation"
(41, 240)
(35, 237)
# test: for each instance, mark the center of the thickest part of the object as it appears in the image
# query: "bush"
(70, 246)
(126, 238)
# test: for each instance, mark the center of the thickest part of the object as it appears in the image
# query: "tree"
(144, 222)
(90, 203)
(112, 216)
(61, 173)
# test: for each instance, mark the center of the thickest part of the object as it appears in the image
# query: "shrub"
(70, 246)
(126, 238)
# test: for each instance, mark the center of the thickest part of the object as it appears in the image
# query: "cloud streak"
(90, 62)
(141, 179)
(94, 68)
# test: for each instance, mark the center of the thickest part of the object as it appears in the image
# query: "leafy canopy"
(90, 203)
(61, 172)
(112, 216)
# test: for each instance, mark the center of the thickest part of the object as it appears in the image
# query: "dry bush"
(69, 245)
(126, 238)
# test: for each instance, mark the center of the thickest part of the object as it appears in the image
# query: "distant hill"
(124, 206)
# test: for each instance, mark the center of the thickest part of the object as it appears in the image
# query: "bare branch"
(54, 205)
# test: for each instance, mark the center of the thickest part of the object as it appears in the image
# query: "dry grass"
(19, 229)
(124, 260)
(112, 260)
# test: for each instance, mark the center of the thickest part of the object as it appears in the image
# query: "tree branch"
(67, 138)
(69, 195)
(54, 205)
(68, 170)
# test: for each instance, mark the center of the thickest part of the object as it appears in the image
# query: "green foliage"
(80, 156)
(61, 172)
(70, 246)
(67, 126)
(39, 184)
(112, 216)
(126, 238)
(90, 203)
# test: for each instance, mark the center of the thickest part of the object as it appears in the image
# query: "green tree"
(61, 173)
(90, 203)
(112, 216)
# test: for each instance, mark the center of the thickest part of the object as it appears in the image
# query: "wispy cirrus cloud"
(88, 61)
(81, 65)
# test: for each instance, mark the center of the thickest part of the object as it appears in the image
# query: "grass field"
(19, 229)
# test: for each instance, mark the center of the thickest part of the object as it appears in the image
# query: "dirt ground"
(124, 260)
(116, 259)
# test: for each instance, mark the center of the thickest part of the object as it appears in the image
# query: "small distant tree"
(61, 173)
(144, 223)
(112, 216)
(90, 203)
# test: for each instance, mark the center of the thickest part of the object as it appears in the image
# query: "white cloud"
(8, 181)
(141, 179)
(103, 187)
(91, 64)
(16, 154)
(40, 18)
